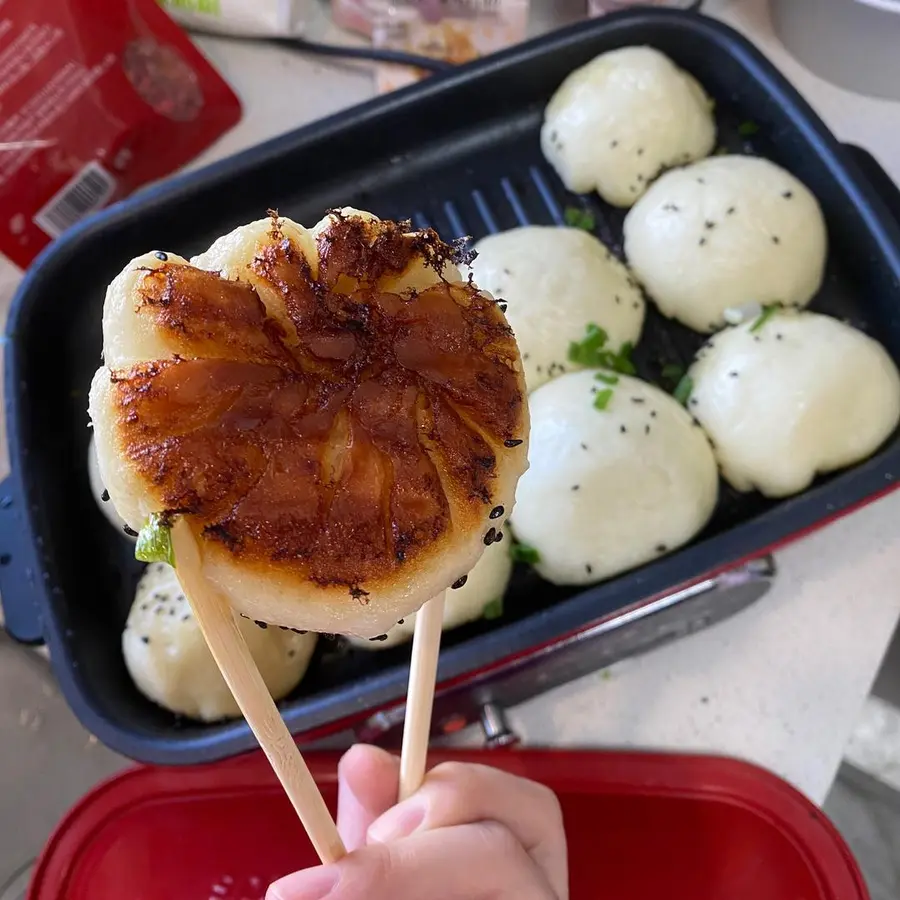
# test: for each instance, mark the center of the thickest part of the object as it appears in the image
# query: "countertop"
(781, 684)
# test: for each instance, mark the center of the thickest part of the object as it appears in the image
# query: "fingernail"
(310, 884)
(396, 823)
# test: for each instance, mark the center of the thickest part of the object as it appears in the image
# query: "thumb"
(480, 861)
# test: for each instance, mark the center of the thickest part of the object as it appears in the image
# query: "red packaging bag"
(97, 97)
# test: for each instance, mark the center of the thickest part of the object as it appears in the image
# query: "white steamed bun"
(485, 585)
(792, 395)
(168, 659)
(556, 281)
(98, 489)
(610, 489)
(723, 233)
(618, 121)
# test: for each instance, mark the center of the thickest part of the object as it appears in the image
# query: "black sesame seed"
(298, 631)
(502, 305)
(709, 225)
(640, 151)
(540, 369)
(105, 495)
(379, 637)
(129, 531)
(185, 617)
(499, 537)
(623, 429)
(778, 337)
(524, 356)
(733, 374)
(613, 144)
(161, 256)
(512, 443)
(661, 548)
(646, 429)
(171, 610)
(283, 628)
(584, 446)
(652, 413)
(757, 338)
(636, 304)
(575, 487)
(588, 568)
(143, 607)
(670, 207)
(637, 400)
(640, 177)
(145, 639)
(490, 537)
(618, 299)
(400, 621)
(507, 272)
(700, 181)
(260, 624)
(693, 401)
(292, 653)
(496, 512)
(776, 239)
(787, 195)
(460, 582)
(702, 241)
(632, 188)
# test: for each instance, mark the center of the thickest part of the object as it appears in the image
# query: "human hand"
(470, 833)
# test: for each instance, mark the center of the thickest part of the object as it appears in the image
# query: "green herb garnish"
(764, 316)
(672, 373)
(602, 398)
(579, 218)
(154, 541)
(494, 609)
(748, 128)
(606, 379)
(524, 554)
(591, 351)
(683, 389)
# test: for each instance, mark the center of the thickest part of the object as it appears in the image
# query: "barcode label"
(84, 193)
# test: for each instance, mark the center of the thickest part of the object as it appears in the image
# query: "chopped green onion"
(524, 554)
(579, 218)
(748, 128)
(765, 315)
(606, 379)
(672, 373)
(587, 351)
(683, 390)
(621, 362)
(591, 351)
(602, 398)
(154, 542)
(494, 609)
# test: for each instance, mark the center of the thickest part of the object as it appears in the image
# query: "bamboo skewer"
(420, 697)
(229, 649)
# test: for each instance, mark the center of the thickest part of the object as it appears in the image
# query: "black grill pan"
(460, 152)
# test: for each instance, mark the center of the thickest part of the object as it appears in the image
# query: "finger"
(367, 786)
(456, 793)
(481, 861)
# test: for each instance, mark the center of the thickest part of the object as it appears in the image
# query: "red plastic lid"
(641, 825)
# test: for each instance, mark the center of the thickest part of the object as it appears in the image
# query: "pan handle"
(875, 174)
(20, 586)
